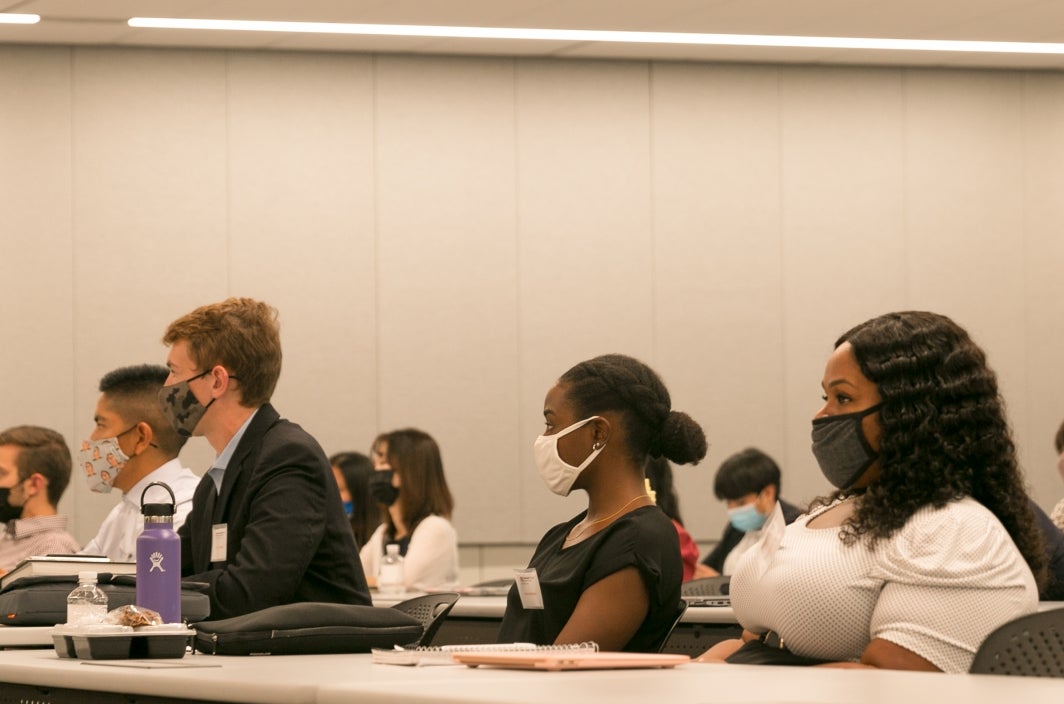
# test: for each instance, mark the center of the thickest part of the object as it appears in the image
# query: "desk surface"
(336, 679)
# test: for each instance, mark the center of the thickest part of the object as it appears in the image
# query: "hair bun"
(682, 439)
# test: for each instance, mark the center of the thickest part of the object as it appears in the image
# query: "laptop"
(703, 600)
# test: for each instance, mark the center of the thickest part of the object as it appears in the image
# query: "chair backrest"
(706, 586)
(665, 640)
(1031, 645)
(431, 610)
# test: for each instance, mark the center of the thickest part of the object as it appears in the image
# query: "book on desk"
(64, 565)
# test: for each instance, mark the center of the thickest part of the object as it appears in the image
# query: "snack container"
(166, 641)
(107, 642)
(102, 642)
(63, 640)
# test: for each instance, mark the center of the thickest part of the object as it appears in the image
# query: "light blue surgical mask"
(746, 518)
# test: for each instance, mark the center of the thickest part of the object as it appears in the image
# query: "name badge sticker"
(219, 539)
(528, 588)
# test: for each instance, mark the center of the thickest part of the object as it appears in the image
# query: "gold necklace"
(573, 537)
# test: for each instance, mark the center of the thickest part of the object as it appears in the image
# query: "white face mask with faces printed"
(558, 474)
(102, 460)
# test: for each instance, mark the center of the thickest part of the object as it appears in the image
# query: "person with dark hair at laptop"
(749, 483)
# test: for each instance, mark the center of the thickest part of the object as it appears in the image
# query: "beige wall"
(445, 236)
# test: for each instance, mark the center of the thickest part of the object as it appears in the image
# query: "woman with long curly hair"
(929, 543)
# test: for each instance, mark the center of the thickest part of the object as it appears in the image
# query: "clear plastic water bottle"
(87, 604)
(390, 578)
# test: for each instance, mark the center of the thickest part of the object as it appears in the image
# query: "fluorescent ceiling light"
(13, 18)
(591, 35)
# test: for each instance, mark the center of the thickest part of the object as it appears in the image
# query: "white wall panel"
(718, 262)
(36, 287)
(301, 219)
(36, 236)
(844, 247)
(1043, 277)
(586, 246)
(965, 196)
(149, 215)
(448, 275)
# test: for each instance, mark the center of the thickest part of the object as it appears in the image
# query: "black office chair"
(665, 640)
(431, 610)
(1031, 645)
(706, 586)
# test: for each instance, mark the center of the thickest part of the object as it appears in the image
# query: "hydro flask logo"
(157, 562)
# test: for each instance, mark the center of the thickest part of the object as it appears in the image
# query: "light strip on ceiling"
(14, 18)
(591, 35)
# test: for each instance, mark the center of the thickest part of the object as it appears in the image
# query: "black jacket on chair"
(287, 540)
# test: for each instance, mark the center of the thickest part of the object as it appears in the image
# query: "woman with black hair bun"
(612, 574)
(929, 543)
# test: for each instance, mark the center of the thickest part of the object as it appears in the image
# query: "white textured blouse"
(937, 587)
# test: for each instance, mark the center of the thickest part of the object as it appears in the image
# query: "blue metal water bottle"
(159, 559)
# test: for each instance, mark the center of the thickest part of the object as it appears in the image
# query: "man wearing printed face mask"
(131, 446)
(749, 483)
(267, 526)
(34, 472)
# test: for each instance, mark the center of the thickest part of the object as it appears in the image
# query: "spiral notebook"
(445, 654)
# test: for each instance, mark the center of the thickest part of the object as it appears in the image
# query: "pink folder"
(533, 660)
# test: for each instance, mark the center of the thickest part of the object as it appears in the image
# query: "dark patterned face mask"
(841, 449)
(181, 407)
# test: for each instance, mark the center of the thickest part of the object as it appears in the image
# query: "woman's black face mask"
(381, 489)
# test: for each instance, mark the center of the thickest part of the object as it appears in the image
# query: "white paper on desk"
(771, 537)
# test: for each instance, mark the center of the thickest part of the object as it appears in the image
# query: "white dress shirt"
(117, 538)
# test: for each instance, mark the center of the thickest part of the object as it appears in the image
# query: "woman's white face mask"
(557, 474)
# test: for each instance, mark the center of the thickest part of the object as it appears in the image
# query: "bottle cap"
(158, 509)
(86, 576)
(392, 548)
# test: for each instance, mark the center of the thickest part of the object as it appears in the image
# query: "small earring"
(596, 446)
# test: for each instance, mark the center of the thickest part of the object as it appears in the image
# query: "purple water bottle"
(159, 559)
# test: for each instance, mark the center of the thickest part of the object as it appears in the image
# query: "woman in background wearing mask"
(749, 484)
(662, 491)
(353, 471)
(612, 573)
(412, 489)
(928, 545)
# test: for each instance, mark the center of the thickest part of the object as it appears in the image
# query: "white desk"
(341, 679)
(696, 684)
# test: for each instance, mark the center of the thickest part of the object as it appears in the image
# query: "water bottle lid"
(392, 548)
(158, 509)
(86, 577)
